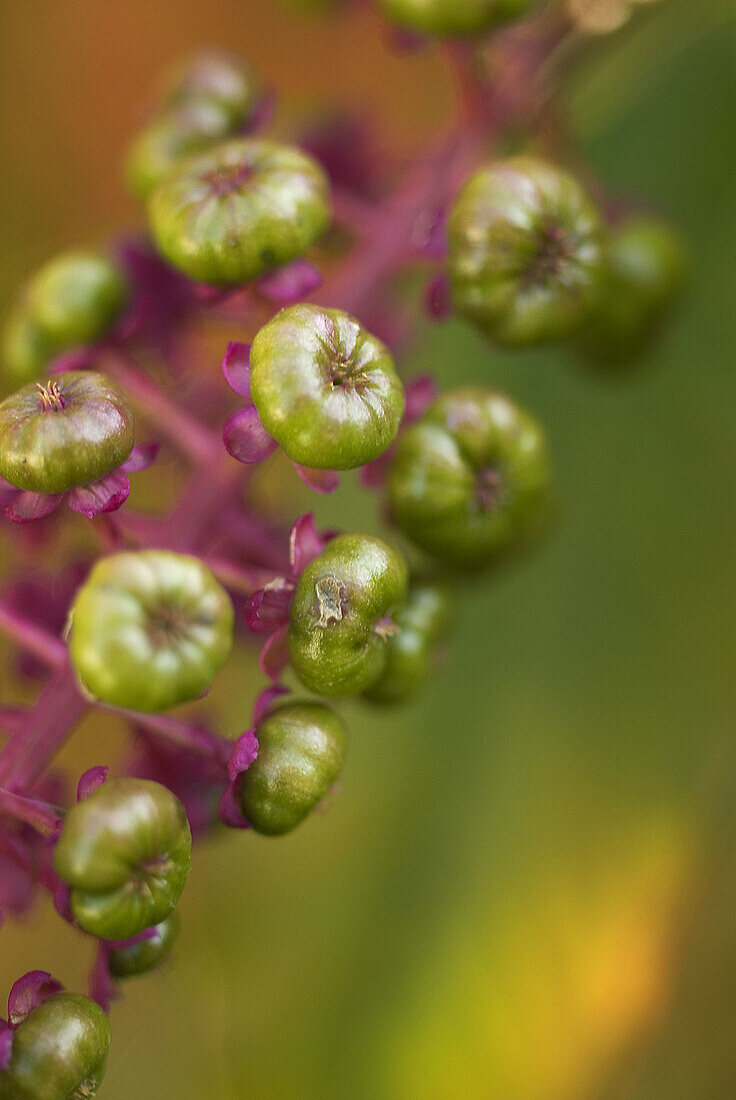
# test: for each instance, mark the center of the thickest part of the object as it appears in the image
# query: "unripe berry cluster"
(237, 226)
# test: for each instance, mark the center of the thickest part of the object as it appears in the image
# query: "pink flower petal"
(274, 655)
(141, 458)
(419, 393)
(91, 780)
(245, 438)
(320, 481)
(373, 474)
(291, 283)
(437, 297)
(304, 543)
(229, 809)
(244, 752)
(430, 234)
(27, 507)
(236, 368)
(28, 993)
(106, 495)
(268, 608)
(60, 898)
(265, 700)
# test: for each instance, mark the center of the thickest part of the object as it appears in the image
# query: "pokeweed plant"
(297, 245)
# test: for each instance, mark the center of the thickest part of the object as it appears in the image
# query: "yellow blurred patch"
(532, 997)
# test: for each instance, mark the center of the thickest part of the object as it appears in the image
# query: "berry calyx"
(125, 851)
(525, 252)
(59, 1052)
(245, 207)
(470, 480)
(300, 753)
(64, 432)
(325, 388)
(149, 629)
(340, 614)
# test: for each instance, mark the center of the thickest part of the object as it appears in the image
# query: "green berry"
(219, 78)
(421, 622)
(300, 751)
(525, 252)
(471, 478)
(340, 614)
(125, 851)
(643, 276)
(67, 431)
(25, 349)
(166, 141)
(149, 629)
(59, 1052)
(235, 212)
(144, 955)
(325, 389)
(76, 298)
(454, 17)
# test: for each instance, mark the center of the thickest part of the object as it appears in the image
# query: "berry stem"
(37, 734)
(47, 726)
(196, 739)
(32, 811)
(243, 579)
(12, 718)
(188, 435)
(34, 639)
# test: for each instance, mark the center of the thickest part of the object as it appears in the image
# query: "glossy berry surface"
(59, 1052)
(643, 275)
(149, 629)
(146, 953)
(325, 388)
(525, 252)
(76, 298)
(243, 208)
(453, 17)
(300, 753)
(471, 478)
(340, 614)
(421, 621)
(66, 431)
(125, 851)
(215, 77)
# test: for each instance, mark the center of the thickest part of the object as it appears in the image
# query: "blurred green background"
(525, 888)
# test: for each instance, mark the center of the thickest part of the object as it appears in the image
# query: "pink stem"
(239, 578)
(184, 735)
(188, 435)
(44, 729)
(27, 752)
(32, 811)
(34, 639)
(12, 718)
